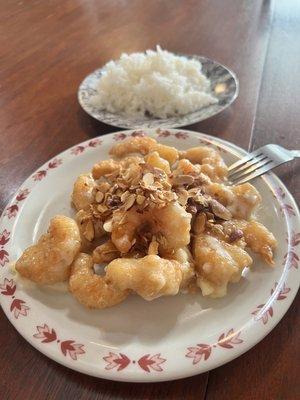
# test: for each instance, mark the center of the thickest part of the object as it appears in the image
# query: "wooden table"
(47, 48)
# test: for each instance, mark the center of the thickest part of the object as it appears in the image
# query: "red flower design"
(68, 347)
(295, 239)
(201, 350)
(279, 192)
(95, 142)
(119, 361)
(119, 136)
(22, 194)
(282, 293)
(12, 211)
(292, 259)
(18, 307)
(181, 135)
(3, 257)
(8, 287)
(289, 209)
(228, 340)
(55, 163)
(204, 142)
(77, 150)
(72, 348)
(138, 134)
(4, 237)
(44, 332)
(154, 362)
(263, 316)
(162, 133)
(38, 176)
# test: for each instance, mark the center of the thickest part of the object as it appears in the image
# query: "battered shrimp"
(49, 260)
(150, 276)
(83, 194)
(144, 145)
(257, 237)
(217, 263)
(241, 200)
(91, 290)
(206, 156)
(165, 221)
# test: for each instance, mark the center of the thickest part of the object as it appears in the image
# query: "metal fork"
(259, 162)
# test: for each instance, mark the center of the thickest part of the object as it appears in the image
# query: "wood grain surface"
(47, 48)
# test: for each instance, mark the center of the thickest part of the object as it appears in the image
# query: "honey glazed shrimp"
(159, 222)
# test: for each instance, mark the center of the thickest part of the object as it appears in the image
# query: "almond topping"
(107, 226)
(148, 179)
(140, 199)
(99, 196)
(129, 201)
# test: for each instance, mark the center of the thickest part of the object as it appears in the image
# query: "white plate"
(169, 338)
(224, 86)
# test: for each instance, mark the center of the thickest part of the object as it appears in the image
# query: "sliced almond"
(129, 201)
(99, 196)
(107, 226)
(219, 210)
(104, 186)
(102, 208)
(182, 197)
(124, 196)
(153, 248)
(148, 179)
(140, 199)
(199, 224)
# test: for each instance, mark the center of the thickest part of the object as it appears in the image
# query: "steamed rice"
(157, 83)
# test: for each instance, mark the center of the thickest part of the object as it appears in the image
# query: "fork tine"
(247, 165)
(257, 172)
(254, 167)
(245, 159)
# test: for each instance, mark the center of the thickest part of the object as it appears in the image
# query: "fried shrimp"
(83, 192)
(164, 221)
(150, 276)
(91, 290)
(49, 260)
(144, 145)
(210, 160)
(159, 221)
(217, 263)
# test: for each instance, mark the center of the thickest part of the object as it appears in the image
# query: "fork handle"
(295, 153)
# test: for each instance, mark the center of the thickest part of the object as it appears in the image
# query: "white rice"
(158, 83)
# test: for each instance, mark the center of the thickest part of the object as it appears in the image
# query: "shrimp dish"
(152, 221)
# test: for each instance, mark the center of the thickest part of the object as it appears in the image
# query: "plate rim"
(133, 376)
(172, 126)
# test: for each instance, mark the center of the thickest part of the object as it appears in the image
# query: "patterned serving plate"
(224, 86)
(171, 337)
